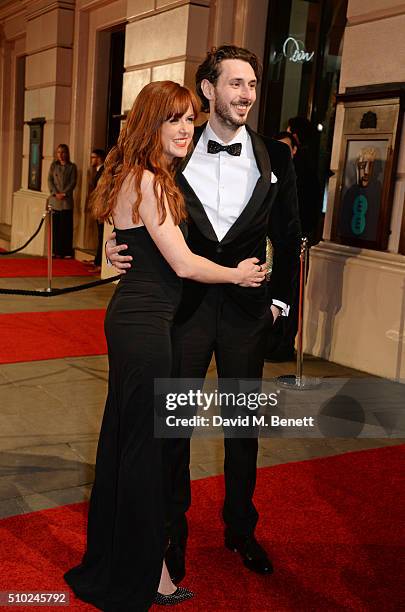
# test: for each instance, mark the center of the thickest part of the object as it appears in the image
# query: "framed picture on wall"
(35, 157)
(365, 184)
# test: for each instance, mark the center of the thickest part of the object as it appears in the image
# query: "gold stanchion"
(49, 241)
(49, 245)
(298, 381)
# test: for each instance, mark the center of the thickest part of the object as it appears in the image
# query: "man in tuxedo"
(238, 189)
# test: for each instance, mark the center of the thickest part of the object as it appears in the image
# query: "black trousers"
(238, 341)
(282, 336)
(62, 232)
(100, 231)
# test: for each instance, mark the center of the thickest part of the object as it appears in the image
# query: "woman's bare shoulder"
(147, 182)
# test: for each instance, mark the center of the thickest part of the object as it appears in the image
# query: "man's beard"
(222, 110)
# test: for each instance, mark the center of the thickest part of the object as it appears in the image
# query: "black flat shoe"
(180, 594)
(253, 555)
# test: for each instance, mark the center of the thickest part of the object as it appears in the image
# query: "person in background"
(298, 136)
(62, 180)
(97, 162)
(289, 140)
(308, 185)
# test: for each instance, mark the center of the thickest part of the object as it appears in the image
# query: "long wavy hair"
(139, 148)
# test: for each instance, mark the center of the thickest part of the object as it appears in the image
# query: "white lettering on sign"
(293, 50)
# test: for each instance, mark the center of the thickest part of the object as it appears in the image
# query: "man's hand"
(112, 251)
(275, 312)
(60, 196)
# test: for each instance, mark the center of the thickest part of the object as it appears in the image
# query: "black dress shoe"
(253, 555)
(179, 595)
(175, 561)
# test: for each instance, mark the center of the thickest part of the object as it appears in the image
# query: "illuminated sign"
(294, 51)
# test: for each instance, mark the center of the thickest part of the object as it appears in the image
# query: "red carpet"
(334, 528)
(38, 266)
(29, 336)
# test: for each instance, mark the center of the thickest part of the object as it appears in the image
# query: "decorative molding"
(47, 7)
(392, 262)
(48, 48)
(163, 62)
(23, 192)
(12, 10)
(49, 84)
(14, 38)
(169, 7)
(92, 4)
(378, 15)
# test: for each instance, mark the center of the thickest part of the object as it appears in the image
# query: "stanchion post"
(298, 381)
(49, 238)
(300, 349)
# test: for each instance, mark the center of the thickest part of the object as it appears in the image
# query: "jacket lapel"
(260, 191)
(194, 206)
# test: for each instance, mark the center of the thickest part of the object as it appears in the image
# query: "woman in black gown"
(123, 568)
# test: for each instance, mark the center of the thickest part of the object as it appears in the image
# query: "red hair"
(139, 148)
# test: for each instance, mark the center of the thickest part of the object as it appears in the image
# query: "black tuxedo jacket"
(271, 211)
(98, 175)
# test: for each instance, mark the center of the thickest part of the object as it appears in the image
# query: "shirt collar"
(241, 137)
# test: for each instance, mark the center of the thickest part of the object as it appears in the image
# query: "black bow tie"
(232, 149)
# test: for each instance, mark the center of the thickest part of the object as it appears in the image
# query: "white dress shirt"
(224, 183)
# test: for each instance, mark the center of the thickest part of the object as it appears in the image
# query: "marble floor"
(50, 415)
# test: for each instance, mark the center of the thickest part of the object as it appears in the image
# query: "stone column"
(48, 80)
(241, 23)
(165, 39)
(12, 51)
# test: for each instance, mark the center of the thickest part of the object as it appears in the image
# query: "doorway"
(108, 86)
(109, 71)
(302, 69)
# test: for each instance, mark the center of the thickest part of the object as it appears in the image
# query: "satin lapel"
(260, 191)
(193, 204)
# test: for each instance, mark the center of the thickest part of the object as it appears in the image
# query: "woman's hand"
(112, 252)
(251, 273)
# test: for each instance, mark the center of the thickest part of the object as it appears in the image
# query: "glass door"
(302, 69)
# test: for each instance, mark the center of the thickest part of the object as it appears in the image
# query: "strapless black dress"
(121, 568)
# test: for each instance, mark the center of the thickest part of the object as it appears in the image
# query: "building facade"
(356, 296)
(69, 71)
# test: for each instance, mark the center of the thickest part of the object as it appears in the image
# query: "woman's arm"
(51, 183)
(72, 180)
(170, 242)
